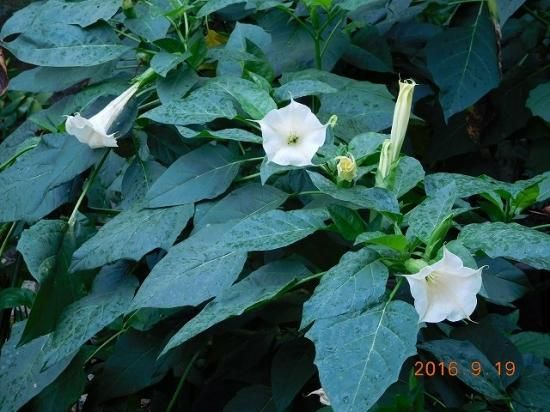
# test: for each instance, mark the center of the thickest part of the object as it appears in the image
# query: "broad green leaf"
(348, 222)
(405, 175)
(33, 186)
(533, 389)
(515, 242)
(367, 198)
(59, 288)
(506, 8)
(397, 242)
(503, 283)
(61, 45)
(138, 179)
(201, 106)
(256, 398)
(292, 367)
(257, 288)
(17, 141)
(188, 275)
(300, 88)
(463, 63)
(49, 12)
(215, 5)
(338, 82)
(21, 374)
(532, 342)
(539, 101)
(465, 186)
(131, 235)
(176, 84)
(355, 282)
(204, 173)
(14, 297)
(365, 144)
(360, 355)
(111, 294)
(352, 5)
(55, 79)
(66, 390)
(255, 101)
(208, 262)
(429, 214)
(244, 201)
(163, 62)
(369, 51)
(132, 366)
(463, 353)
(39, 246)
(150, 21)
(239, 135)
(360, 107)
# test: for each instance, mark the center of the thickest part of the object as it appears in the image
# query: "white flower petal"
(292, 135)
(445, 290)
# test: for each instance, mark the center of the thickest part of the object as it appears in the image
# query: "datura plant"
(240, 206)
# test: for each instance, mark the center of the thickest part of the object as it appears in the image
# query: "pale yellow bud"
(385, 164)
(347, 168)
(401, 116)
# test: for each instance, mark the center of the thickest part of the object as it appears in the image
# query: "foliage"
(182, 270)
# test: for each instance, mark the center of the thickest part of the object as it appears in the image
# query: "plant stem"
(86, 187)
(6, 239)
(181, 382)
(307, 192)
(395, 289)
(252, 176)
(109, 340)
(307, 279)
(15, 156)
(541, 226)
(152, 103)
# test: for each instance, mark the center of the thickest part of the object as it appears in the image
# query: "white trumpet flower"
(93, 131)
(292, 135)
(445, 290)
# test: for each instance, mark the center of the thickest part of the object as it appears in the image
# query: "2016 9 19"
(433, 368)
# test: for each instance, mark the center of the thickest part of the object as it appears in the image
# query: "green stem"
(297, 19)
(111, 338)
(15, 156)
(327, 41)
(122, 33)
(6, 239)
(535, 14)
(541, 226)
(252, 176)
(150, 104)
(395, 289)
(312, 277)
(181, 382)
(307, 192)
(318, 61)
(87, 185)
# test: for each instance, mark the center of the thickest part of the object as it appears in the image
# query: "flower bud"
(332, 121)
(385, 164)
(347, 168)
(401, 116)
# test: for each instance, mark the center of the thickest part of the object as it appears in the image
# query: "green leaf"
(137, 180)
(131, 235)
(163, 62)
(348, 222)
(365, 144)
(21, 374)
(465, 186)
(110, 297)
(132, 366)
(515, 242)
(18, 140)
(355, 282)
(201, 106)
(396, 242)
(369, 51)
(176, 84)
(533, 390)
(300, 88)
(464, 353)
(204, 173)
(257, 288)
(150, 21)
(360, 107)
(215, 5)
(532, 342)
(256, 398)
(14, 297)
(371, 198)
(352, 5)
(61, 45)
(39, 246)
(539, 101)
(59, 288)
(405, 176)
(503, 283)
(48, 12)
(254, 100)
(292, 367)
(55, 79)
(360, 355)
(429, 214)
(463, 63)
(34, 185)
(244, 201)
(66, 390)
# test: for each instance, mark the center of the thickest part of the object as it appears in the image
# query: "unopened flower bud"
(347, 168)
